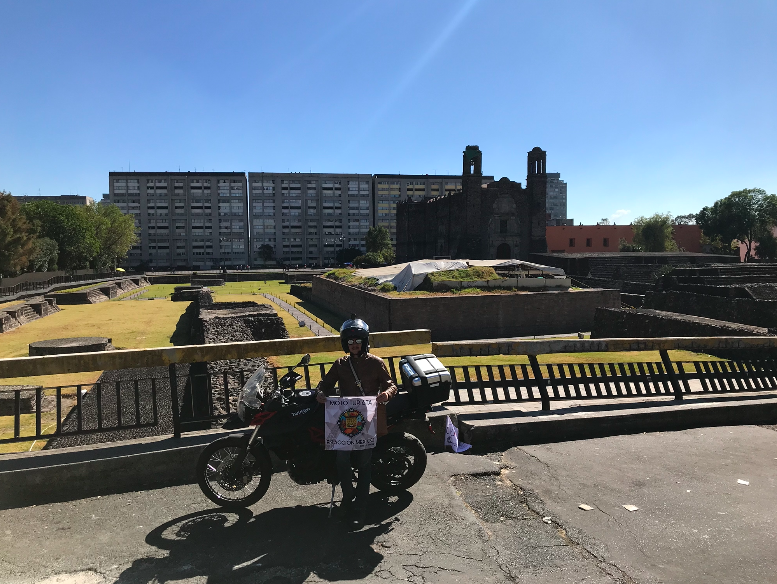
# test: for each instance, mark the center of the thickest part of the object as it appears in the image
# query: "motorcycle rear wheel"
(220, 482)
(398, 462)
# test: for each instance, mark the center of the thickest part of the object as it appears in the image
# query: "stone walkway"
(317, 329)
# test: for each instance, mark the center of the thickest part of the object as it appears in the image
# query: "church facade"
(499, 220)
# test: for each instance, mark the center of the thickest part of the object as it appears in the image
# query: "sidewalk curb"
(489, 435)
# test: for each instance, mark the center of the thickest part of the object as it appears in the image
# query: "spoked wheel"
(398, 462)
(225, 482)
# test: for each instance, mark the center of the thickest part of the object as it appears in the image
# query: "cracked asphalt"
(499, 518)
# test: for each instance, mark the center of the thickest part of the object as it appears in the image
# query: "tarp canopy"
(408, 276)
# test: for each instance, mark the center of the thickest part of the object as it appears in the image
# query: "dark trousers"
(360, 459)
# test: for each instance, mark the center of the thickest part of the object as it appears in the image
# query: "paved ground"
(695, 522)
(507, 517)
(317, 329)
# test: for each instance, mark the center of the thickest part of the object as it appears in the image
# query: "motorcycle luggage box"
(425, 378)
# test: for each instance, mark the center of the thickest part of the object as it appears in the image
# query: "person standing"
(358, 373)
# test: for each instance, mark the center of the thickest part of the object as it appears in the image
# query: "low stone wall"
(223, 322)
(207, 282)
(458, 317)
(739, 310)
(643, 322)
(303, 292)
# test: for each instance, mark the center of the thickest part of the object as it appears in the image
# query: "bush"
(387, 287)
(340, 275)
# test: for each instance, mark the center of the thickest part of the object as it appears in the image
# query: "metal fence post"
(542, 383)
(678, 389)
(174, 401)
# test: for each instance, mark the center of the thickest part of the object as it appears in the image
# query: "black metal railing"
(45, 285)
(185, 400)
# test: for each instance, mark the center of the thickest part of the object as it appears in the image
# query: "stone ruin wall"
(15, 316)
(227, 322)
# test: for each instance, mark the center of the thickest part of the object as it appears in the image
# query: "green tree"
(654, 233)
(744, 215)
(379, 242)
(347, 255)
(71, 227)
(17, 236)
(115, 234)
(44, 255)
(266, 252)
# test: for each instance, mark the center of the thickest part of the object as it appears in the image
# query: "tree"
(744, 215)
(689, 219)
(654, 233)
(371, 259)
(347, 255)
(379, 242)
(71, 227)
(266, 252)
(115, 234)
(44, 255)
(16, 236)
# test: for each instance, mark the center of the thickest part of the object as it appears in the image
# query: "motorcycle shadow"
(282, 545)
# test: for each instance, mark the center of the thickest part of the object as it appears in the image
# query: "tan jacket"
(372, 373)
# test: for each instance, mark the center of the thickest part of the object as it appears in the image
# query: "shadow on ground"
(280, 546)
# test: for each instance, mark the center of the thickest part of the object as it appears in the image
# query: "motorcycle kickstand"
(331, 502)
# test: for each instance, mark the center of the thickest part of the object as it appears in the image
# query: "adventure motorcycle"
(235, 471)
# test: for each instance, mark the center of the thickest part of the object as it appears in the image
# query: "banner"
(452, 437)
(351, 423)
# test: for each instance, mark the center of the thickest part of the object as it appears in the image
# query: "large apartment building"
(308, 217)
(185, 219)
(201, 220)
(392, 188)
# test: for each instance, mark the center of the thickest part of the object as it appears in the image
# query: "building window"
(606, 242)
(571, 242)
(589, 242)
(503, 226)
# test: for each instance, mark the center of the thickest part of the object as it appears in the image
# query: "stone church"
(498, 220)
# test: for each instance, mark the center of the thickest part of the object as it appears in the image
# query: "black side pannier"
(426, 379)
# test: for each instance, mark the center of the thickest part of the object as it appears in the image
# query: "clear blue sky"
(642, 106)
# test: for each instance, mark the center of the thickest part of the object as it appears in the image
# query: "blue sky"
(642, 106)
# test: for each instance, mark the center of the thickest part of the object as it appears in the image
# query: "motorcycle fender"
(245, 436)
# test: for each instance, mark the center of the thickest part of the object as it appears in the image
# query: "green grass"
(79, 288)
(474, 273)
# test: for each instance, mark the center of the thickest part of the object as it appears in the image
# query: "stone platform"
(70, 345)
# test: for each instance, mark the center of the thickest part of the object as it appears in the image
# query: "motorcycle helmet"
(355, 328)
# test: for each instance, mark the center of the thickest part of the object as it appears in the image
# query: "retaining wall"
(458, 317)
(643, 322)
(742, 310)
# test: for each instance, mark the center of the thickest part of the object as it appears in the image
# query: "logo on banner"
(351, 422)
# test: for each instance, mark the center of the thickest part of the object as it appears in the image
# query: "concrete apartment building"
(308, 217)
(556, 199)
(185, 219)
(392, 188)
(78, 200)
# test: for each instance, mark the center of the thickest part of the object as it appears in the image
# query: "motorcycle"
(235, 471)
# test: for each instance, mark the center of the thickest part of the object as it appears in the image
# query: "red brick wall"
(688, 237)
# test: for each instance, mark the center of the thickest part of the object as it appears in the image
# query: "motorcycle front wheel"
(227, 485)
(398, 462)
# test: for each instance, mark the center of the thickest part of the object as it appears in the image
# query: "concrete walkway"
(317, 329)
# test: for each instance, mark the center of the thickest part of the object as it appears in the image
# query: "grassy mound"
(475, 273)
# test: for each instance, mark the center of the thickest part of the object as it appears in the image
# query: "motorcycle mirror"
(305, 360)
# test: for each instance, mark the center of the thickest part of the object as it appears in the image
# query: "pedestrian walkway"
(317, 329)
